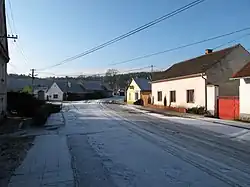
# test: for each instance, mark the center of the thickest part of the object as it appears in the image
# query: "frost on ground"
(210, 124)
(114, 147)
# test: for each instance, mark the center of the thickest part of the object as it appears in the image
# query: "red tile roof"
(244, 72)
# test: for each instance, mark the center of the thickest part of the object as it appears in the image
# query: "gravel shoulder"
(12, 149)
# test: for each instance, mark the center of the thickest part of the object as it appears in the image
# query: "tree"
(111, 72)
(27, 89)
(111, 78)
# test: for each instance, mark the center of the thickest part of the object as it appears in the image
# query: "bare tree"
(111, 78)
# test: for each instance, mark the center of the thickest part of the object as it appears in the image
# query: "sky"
(51, 31)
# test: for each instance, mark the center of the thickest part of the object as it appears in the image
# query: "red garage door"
(228, 107)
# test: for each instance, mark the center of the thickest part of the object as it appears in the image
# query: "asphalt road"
(112, 145)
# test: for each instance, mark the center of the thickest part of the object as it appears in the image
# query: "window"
(55, 96)
(136, 96)
(131, 87)
(190, 96)
(172, 96)
(159, 96)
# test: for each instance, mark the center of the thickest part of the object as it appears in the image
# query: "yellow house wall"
(131, 92)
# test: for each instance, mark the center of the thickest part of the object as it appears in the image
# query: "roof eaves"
(180, 77)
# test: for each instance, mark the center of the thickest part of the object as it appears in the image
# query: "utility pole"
(67, 88)
(152, 70)
(33, 76)
(10, 37)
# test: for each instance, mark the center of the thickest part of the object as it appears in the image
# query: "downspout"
(202, 75)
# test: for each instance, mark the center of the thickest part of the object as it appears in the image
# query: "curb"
(237, 126)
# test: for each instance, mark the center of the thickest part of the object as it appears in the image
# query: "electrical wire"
(97, 74)
(232, 41)
(132, 32)
(18, 43)
(11, 14)
(179, 47)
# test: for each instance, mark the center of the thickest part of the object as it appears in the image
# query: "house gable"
(54, 93)
(133, 89)
(54, 88)
(221, 72)
(133, 86)
(193, 66)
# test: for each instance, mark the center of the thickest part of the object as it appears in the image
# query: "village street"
(113, 145)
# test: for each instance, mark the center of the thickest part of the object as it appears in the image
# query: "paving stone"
(48, 163)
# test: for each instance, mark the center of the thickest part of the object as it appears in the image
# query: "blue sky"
(50, 31)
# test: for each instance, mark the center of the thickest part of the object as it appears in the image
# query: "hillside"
(115, 81)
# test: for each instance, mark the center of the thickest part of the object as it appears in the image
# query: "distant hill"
(114, 81)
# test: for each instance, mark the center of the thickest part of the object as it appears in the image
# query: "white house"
(138, 88)
(244, 76)
(197, 82)
(54, 93)
(4, 59)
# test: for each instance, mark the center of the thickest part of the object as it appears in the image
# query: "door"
(228, 107)
(136, 96)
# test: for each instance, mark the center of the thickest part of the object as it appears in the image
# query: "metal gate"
(228, 107)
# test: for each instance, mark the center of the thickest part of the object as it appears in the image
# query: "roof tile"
(193, 66)
(244, 72)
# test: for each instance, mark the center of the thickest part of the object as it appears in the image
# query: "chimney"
(208, 51)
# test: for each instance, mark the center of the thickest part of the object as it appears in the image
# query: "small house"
(139, 88)
(198, 82)
(54, 93)
(244, 89)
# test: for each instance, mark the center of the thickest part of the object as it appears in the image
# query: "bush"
(139, 102)
(196, 110)
(44, 112)
(41, 116)
(23, 104)
(95, 95)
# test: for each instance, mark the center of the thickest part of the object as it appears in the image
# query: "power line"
(18, 44)
(180, 47)
(137, 69)
(169, 50)
(14, 67)
(9, 23)
(11, 14)
(132, 32)
(97, 74)
(231, 41)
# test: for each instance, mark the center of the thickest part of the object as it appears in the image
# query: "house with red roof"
(243, 75)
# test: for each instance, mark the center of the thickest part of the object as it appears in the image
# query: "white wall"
(181, 86)
(245, 98)
(3, 87)
(132, 92)
(54, 89)
(212, 94)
